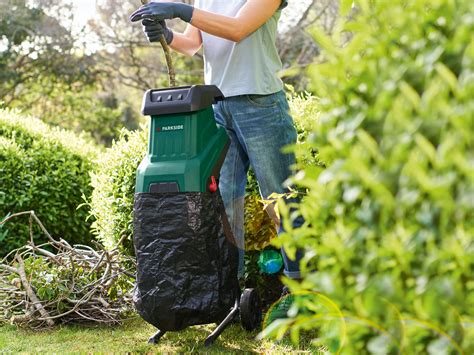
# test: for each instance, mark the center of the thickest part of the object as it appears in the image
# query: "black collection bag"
(186, 259)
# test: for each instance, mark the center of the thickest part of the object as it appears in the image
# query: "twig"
(6, 219)
(32, 214)
(9, 268)
(42, 251)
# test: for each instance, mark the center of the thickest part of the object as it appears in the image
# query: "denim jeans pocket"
(263, 100)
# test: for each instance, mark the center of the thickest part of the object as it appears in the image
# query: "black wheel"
(250, 309)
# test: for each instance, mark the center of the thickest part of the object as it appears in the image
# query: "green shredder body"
(186, 148)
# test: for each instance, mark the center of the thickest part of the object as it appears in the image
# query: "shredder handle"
(185, 99)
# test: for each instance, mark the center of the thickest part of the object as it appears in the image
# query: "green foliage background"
(84, 110)
(389, 226)
(46, 170)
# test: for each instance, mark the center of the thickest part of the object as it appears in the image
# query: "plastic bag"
(186, 259)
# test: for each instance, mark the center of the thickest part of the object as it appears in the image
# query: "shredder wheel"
(250, 309)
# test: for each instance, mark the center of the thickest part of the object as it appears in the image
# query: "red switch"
(213, 185)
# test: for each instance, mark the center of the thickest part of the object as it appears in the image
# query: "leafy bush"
(45, 170)
(390, 222)
(305, 112)
(114, 188)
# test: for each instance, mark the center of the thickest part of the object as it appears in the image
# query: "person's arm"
(187, 43)
(249, 18)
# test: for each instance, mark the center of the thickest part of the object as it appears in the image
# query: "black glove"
(158, 11)
(155, 29)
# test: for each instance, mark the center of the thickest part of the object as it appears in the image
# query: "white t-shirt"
(244, 68)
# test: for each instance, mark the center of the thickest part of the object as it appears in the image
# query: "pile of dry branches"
(43, 285)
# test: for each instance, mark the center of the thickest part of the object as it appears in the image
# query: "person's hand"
(155, 29)
(158, 11)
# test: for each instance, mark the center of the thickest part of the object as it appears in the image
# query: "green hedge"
(390, 222)
(45, 170)
(114, 187)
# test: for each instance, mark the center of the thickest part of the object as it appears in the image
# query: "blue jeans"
(259, 126)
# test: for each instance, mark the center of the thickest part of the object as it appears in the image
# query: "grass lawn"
(132, 337)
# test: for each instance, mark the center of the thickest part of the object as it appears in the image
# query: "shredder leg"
(155, 338)
(220, 328)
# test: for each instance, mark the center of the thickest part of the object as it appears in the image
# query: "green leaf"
(426, 147)
(345, 6)
(447, 75)
(324, 41)
(410, 94)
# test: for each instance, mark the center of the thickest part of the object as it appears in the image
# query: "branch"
(169, 61)
(31, 294)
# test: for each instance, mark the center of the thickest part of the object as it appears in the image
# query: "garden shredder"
(186, 254)
(186, 148)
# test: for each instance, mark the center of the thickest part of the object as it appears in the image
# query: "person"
(240, 57)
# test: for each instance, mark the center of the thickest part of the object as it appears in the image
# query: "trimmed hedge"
(45, 170)
(389, 233)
